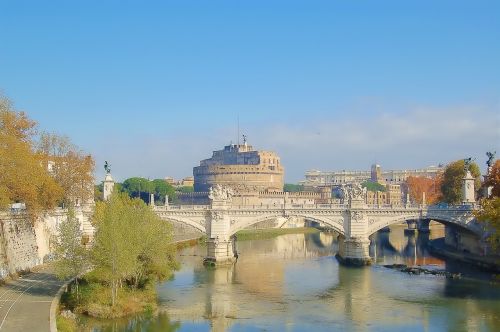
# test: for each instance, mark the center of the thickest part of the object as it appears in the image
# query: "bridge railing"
(460, 207)
(182, 207)
(286, 206)
(441, 207)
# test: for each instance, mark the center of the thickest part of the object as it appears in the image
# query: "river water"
(294, 283)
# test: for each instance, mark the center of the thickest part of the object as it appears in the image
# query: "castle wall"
(239, 177)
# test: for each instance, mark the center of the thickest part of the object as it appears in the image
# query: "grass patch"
(66, 324)
(269, 233)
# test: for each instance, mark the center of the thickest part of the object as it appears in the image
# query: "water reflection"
(293, 282)
(411, 249)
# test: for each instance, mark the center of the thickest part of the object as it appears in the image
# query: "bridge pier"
(423, 226)
(412, 227)
(354, 251)
(220, 252)
(221, 248)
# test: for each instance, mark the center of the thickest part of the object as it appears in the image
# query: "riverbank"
(94, 299)
(487, 263)
(269, 233)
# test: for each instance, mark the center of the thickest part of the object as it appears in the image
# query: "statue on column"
(107, 167)
(220, 193)
(356, 191)
(489, 162)
(467, 163)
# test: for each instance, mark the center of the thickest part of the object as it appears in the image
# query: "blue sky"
(155, 86)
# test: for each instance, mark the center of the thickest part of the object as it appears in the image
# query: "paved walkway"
(25, 302)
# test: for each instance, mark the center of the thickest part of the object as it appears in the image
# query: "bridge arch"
(242, 225)
(441, 219)
(199, 227)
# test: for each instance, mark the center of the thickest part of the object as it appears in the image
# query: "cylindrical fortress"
(241, 168)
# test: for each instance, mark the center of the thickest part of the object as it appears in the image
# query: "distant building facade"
(188, 181)
(242, 168)
(391, 196)
(316, 178)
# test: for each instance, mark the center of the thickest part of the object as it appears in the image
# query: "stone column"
(108, 185)
(468, 189)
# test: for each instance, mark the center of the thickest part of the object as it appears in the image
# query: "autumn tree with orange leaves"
(417, 185)
(489, 211)
(493, 179)
(25, 175)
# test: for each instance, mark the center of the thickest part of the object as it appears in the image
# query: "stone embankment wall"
(25, 244)
(18, 247)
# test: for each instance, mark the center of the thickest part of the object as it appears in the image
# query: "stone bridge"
(354, 221)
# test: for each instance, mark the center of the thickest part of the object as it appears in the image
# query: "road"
(25, 302)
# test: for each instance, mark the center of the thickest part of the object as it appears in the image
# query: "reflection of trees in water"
(159, 323)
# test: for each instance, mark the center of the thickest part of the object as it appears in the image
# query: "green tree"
(138, 188)
(112, 254)
(292, 188)
(132, 244)
(161, 188)
(451, 186)
(490, 214)
(373, 186)
(142, 188)
(185, 189)
(71, 256)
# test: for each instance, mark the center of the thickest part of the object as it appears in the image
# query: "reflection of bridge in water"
(401, 247)
(354, 221)
(270, 279)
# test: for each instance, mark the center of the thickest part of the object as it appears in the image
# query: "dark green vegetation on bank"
(131, 252)
(269, 233)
